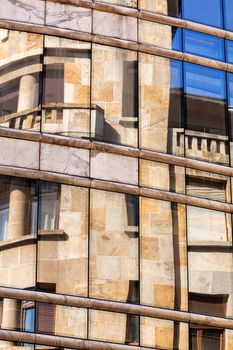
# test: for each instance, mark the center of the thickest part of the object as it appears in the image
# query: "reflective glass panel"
(162, 176)
(114, 246)
(203, 45)
(230, 109)
(114, 95)
(166, 7)
(62, 248)
(163, 334)
(210, 261)
(114, 327)
(17, 232)
(20, 71)
(160, 35)
(161, 104)
(61, 320)
(203, 11)
(229, 51)
(228, 10)
(66, 90)
(163, 254)
(206, 123)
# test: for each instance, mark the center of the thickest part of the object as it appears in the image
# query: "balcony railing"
(201, 145)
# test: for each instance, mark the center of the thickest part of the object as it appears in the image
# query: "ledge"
(45, 235)
(17, 242)
(217, 244)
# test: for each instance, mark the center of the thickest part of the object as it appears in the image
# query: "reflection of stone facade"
(94, 218)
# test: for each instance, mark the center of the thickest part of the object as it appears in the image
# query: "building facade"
(116, 187)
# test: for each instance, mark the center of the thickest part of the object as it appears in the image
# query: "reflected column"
(17, 227)
(28, 95)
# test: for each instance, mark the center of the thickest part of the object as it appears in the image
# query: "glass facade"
(116, 175)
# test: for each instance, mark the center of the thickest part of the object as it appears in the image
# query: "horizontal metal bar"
(147, 15)
(62, 342)
(125, 44)
(117, 149)
(114, 306)
(115, 187)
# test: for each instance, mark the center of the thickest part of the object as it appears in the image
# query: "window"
(18, 208)
(205, 339)
(45, 318)
(49, 206)
(130, 89)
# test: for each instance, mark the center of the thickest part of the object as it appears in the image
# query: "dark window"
(206, 339)
(173, 8)
(132, 210)
(54, 83)
(208, 304)
(45, 318)
(130, 89)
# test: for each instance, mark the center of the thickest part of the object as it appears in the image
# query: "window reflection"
(228, 10)
(161, 87)
(167, 7)
(203, 45)
(66, 91)
(114, 246)
(114, 95)
(20, 70)
(229, 51)
(203, 11)
(206, 120)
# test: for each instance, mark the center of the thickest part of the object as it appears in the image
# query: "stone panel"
(19, 153)
(65, 160)
(113, 167)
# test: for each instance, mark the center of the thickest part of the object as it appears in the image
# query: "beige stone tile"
(113, 167)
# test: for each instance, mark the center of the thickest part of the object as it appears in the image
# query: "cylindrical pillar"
(28, 98)
(18, 211)
(10, 318)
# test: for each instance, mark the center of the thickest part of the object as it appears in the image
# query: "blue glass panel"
(177, 39)
(176, 74)
(176, 95)
(228, 14)
(230, 89)
(229, 51)
(29, 323)
(205, 99)
(203, 11)
(204, 81)
(203, 45)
